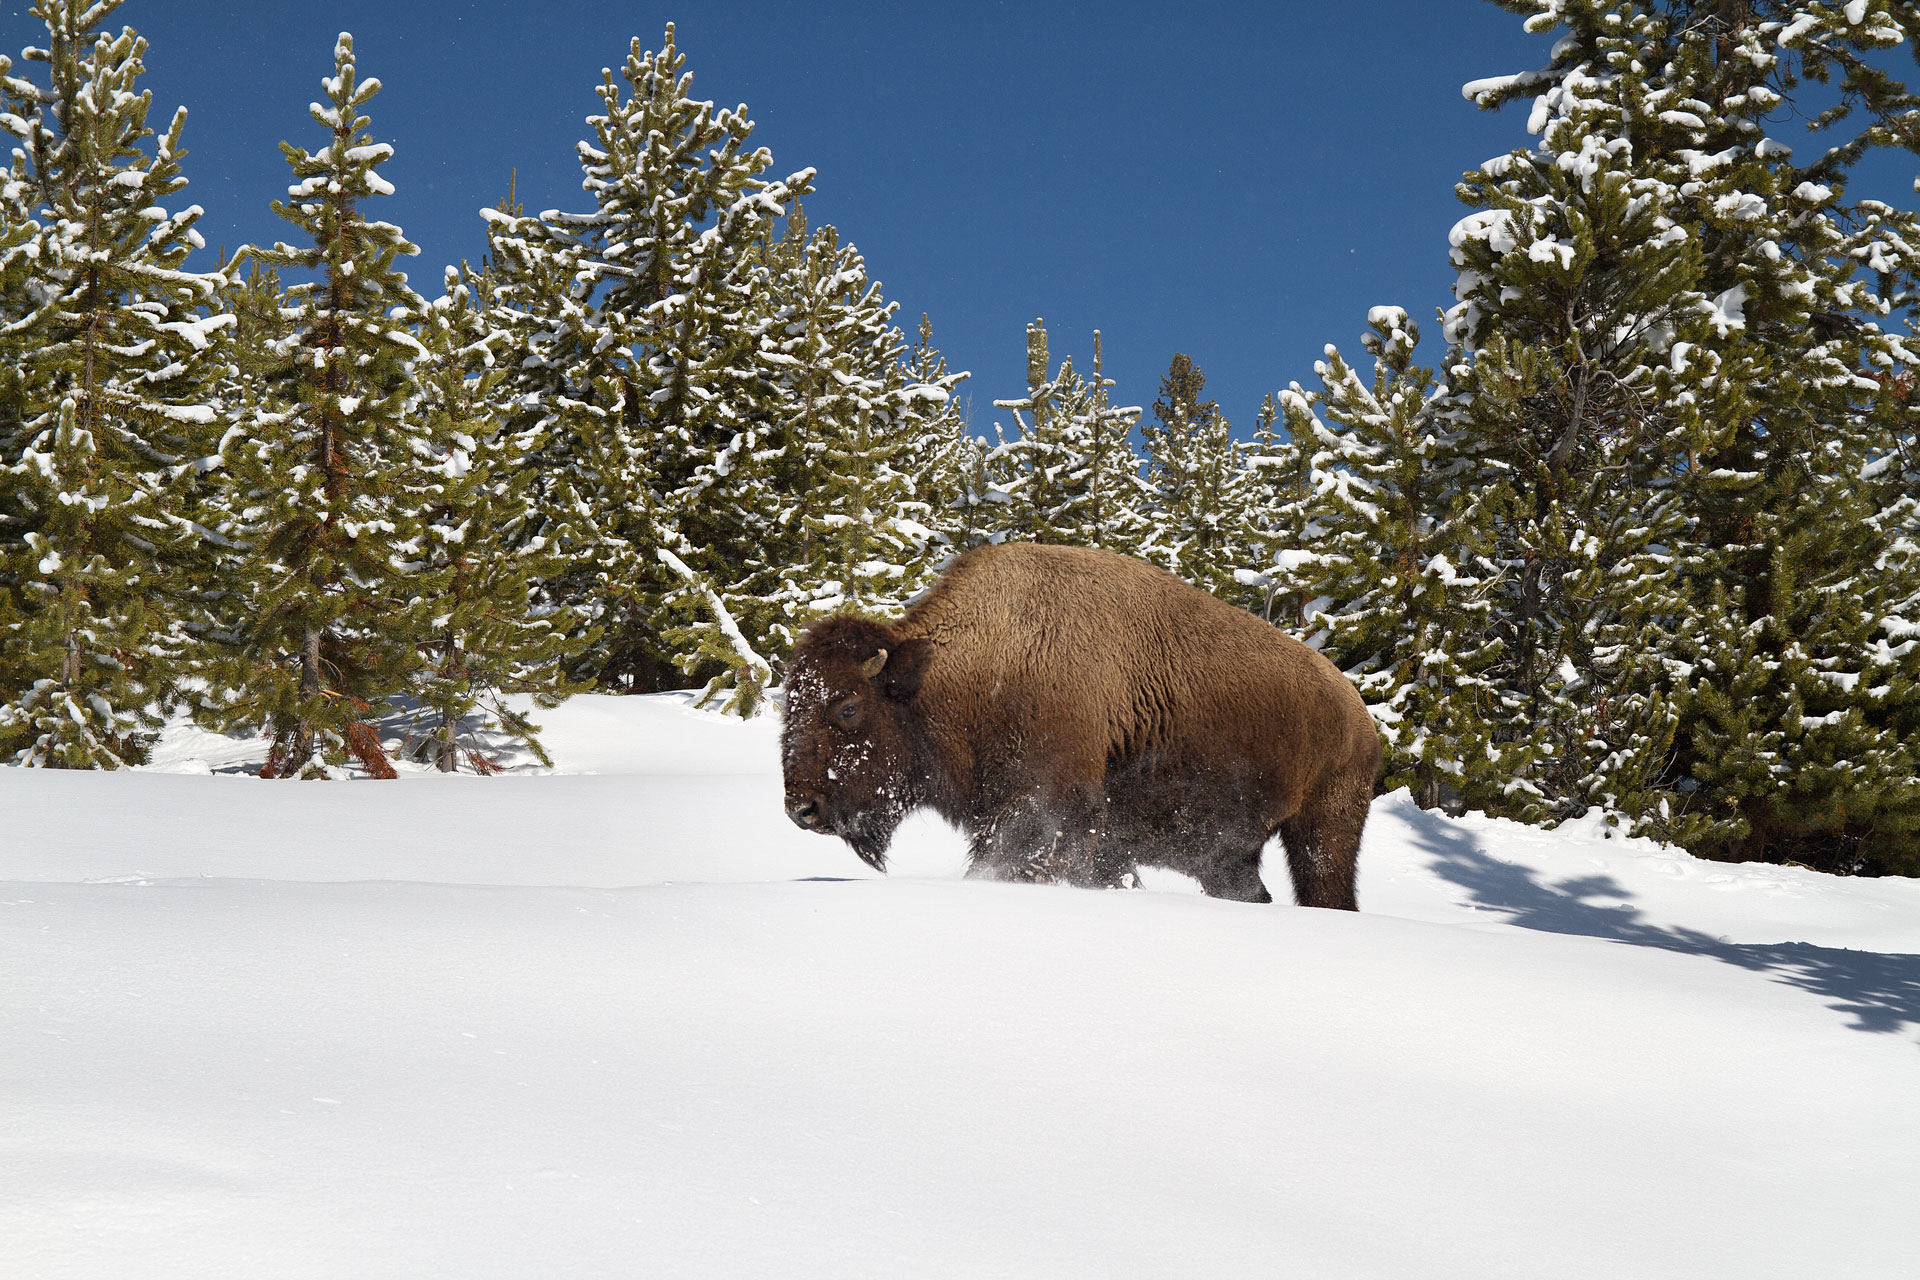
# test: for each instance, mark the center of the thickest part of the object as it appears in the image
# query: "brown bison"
(1078, 713)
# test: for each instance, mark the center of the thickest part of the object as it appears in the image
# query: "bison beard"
(869, 833)
(1076, 712)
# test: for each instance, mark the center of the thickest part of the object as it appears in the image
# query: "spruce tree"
(646, 365)
(329, 474)
(472, 570)
(1279, 490)
(1577, 281)
(940, 454)
(252, 371)
(106, 413)
(1397, 569)
(858, 421)
(817, 505)
(526, 291)
(19, 309)
(1201, 495)
(1072, 475)
(983, 510)
(19, 315)
(797, 518)
(1673, 337)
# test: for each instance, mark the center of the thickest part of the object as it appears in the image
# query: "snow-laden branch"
(762, 670)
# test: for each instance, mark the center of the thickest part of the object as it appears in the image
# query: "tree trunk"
(446, 758)
(1528, 624)
(303, 733)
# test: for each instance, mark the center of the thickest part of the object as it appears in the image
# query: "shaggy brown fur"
(1077, 713)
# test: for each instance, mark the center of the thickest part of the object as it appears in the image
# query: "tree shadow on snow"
(1879, 992)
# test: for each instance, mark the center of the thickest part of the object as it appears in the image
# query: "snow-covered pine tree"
(328, 472)
(1279, 489)
(857, 422)
(107, 393)
(889, 463)
(647, 363)
(778, 526)
(484, 640)
(819, 505)
(1660, 286)
(1397, 567)
(940, 455)
(526, 291)
(1202, 508)
(1577, 279)
(252, 370)
(19, 309)
(1806, 610)
(1071, 473)
(983, 510)
(19, 249)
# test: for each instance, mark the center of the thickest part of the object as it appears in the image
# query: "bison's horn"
(871, 667)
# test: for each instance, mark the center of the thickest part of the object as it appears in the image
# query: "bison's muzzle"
(806, 811)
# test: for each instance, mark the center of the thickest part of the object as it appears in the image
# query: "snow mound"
(632, 1021)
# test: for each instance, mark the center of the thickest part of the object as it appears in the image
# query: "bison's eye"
(845, 713)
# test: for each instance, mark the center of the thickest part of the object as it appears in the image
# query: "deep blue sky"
(1238, 181)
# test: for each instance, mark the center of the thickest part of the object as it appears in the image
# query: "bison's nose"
(804, 809)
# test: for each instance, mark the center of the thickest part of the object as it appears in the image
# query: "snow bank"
(637, 1023)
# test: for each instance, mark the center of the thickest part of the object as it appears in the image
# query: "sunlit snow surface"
(630, 1022)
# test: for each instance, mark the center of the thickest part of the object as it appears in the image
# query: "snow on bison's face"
(848, 749)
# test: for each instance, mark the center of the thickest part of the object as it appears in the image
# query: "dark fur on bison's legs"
(1323, 847)
(1235, 879)
(1049, 835)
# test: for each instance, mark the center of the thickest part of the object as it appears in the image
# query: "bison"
(1077, 713)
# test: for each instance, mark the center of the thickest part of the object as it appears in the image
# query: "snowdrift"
(628, 1020)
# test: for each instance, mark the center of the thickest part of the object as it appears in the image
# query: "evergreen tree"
(483, 639)
(645, 367)
(859, 421)
(940, 456)
(106, 413)
(1576, 282)
(329, 478)
(20, 313)
(252, 370)
(1671, 338)
(983, 510)
(526, 292)
(1279, 520)
(1072, 475)
(817, 506)
(795, 520)
(1202, 509)
(1398, 570)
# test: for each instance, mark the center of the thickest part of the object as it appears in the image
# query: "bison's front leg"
(1057, 834)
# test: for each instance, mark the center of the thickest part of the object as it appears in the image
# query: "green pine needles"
(110, 349)
(1069, 473)
(325, 470)
(1664, 502)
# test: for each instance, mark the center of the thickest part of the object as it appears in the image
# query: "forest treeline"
(1646, 537)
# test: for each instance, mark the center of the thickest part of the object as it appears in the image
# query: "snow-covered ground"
(628, 1021)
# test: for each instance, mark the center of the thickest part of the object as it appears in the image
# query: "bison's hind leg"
(1323, 845)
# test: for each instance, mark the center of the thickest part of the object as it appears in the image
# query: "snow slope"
(628, 1021)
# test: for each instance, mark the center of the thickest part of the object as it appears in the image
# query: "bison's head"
(852, 743)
